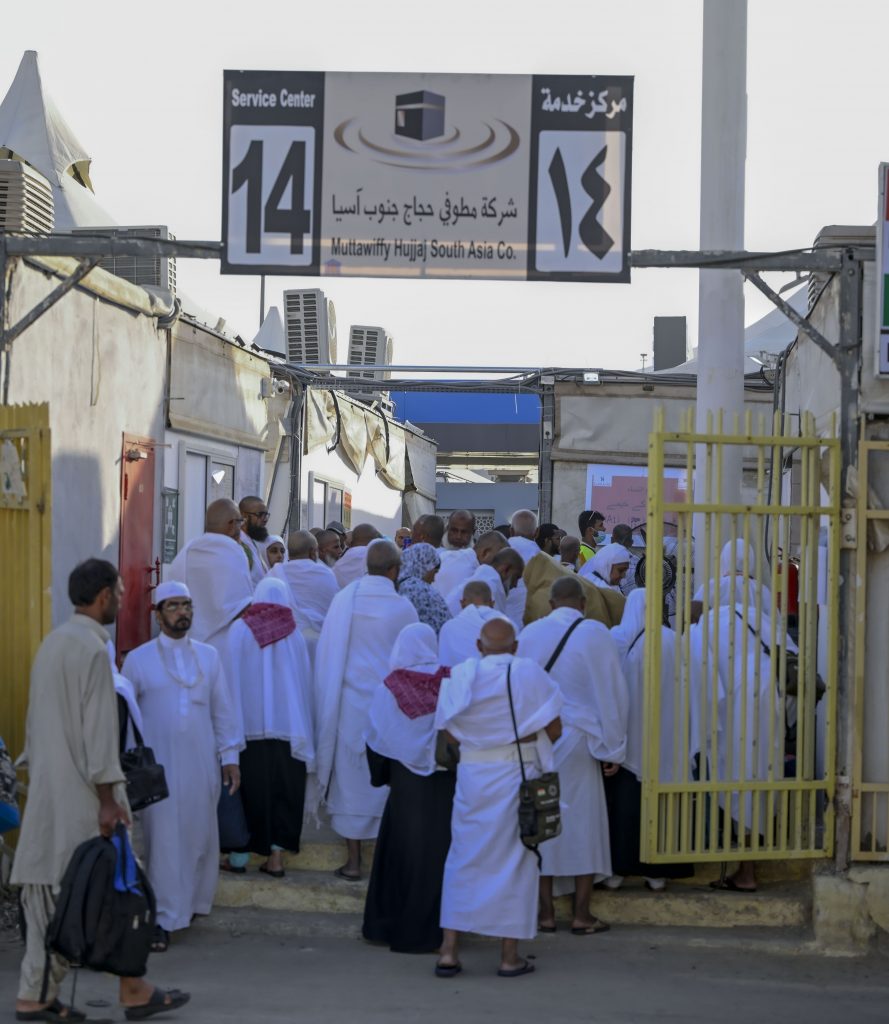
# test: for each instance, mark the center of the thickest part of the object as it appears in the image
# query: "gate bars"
(736, 766)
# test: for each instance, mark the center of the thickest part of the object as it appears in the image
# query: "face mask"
(600, 536)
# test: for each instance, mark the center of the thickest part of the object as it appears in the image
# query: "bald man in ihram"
(351, 661)
(490, 877)
(311, 583)
(214, 567)
(458, 637)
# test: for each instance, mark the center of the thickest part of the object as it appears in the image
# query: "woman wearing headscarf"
(404, 895)
(271, 684)
(623, 791)
(275, 550)
(735, 675)
(607, 567)
(419, 564)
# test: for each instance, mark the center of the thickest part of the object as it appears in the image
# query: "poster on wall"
(511, 177)
(620, 493)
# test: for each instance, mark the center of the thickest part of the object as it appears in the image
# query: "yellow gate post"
(25, 540)
(746, 776)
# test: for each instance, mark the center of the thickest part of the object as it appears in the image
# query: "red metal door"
(137, 563)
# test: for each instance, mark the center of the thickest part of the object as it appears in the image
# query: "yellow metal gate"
(740, 695)
(870, 782)
(25, 600)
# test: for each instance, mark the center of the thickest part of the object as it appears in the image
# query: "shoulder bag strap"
(753, 631)
(515, 727)
(636, 639)
(555, 655)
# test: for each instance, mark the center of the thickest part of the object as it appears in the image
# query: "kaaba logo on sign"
(423, 141)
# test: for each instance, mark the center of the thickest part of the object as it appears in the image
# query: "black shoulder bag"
(539, 815)
(791, 678)
(146, 781)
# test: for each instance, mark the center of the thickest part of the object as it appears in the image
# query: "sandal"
(160, 1002)
(266, 870)
(160, 940)
(448, 970)
(728, 885)
(592, 929)
(56, 1011)
(516, 972)
(342, 873)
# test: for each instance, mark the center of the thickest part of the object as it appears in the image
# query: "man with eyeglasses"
(254, 534)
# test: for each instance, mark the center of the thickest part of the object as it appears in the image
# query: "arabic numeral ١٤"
(295, 220)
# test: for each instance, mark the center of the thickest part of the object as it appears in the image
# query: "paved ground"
(624, 977)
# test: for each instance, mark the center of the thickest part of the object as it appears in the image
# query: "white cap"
(170, 588)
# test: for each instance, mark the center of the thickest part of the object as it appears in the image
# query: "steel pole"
(720, 384)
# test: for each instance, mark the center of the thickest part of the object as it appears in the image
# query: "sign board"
(883, 272)
(170, 504)
(620, 493)
(516, 177)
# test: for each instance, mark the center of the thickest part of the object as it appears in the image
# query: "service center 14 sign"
(454, 176)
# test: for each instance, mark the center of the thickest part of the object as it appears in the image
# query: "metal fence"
(25, 541)
(870, 785)
(740, 695)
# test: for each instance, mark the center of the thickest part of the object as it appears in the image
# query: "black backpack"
(105, 913)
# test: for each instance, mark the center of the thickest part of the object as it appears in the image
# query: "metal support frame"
(848, 363)
(801, 322)
(545, 464)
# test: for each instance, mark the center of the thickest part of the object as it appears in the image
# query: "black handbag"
(146, 781)
(540, 817)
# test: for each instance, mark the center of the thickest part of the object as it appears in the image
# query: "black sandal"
(160, 940)
(157, 1003)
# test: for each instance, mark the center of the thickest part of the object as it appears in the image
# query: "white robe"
(192, 728)
(215, 570)
(630, 639)
(483, 574)
(490, 878)
(594, 729)
(351, 661)
(272, 690)
(312, 587)
(458, 636)
(456, 567)
(352, 566)
(517, 598)
(259, 566)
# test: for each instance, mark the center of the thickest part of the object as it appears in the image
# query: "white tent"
(32, 130)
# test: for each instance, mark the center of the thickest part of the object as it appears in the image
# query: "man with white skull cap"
(192, 725)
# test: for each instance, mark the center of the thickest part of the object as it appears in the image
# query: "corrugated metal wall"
(25, 543)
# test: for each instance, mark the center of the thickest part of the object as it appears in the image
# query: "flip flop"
(592, 929)
(448, 970)
(349, 878)
(547, 929)
(232, 869)
(516, 972)
(728, 885)
(56, 1011)
(157, 1004)
(160, 940)
(272, 874)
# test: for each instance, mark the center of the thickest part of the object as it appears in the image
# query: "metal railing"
(870, 785)
(739, 759)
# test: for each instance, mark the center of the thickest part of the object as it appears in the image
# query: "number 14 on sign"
(271, 188)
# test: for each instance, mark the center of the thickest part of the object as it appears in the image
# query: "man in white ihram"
(458, 638)
(312, 586)
(214, 567)
(351, 661)
(490, 877)
(192, 726)
(588, 673)
(522, 534)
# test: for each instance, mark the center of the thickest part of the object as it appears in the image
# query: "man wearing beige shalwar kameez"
(75, 786)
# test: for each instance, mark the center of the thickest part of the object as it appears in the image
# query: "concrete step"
(775, 905)
(248, 921)
(329, 854)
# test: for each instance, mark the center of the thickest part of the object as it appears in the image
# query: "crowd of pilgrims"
(320, 671)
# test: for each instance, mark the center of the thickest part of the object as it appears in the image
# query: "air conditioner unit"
(145, 271)
(310, 327)
(369, 346)
(26, 204)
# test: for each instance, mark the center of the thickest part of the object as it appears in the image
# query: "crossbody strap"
(561, 645)
(515, 727)
(636, 639)
(753, 631)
